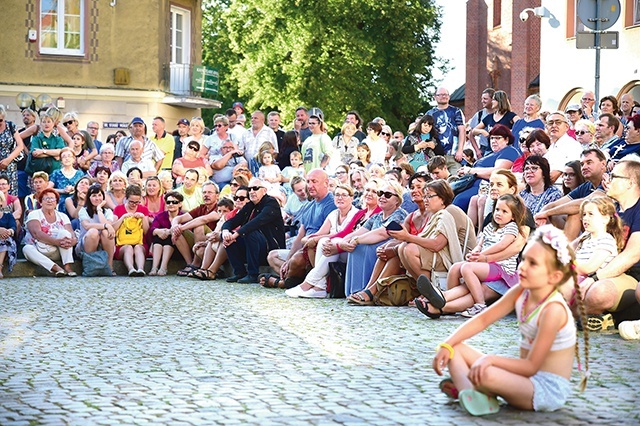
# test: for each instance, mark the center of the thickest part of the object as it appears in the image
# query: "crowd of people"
(436, 216)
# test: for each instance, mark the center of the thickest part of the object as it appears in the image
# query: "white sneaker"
(294, 291)
(314, 294)
(629, 330)
(474, 310)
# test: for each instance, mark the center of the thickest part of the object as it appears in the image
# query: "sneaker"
(474, 310)
(629, 330)
(314, 294)
(294, 291)
(600, 322)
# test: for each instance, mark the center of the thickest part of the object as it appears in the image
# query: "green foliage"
(374, 56)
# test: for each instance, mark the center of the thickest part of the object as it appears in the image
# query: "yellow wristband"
(447, 347)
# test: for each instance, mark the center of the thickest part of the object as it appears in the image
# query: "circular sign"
(609, 13)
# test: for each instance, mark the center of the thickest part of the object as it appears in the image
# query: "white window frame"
(61, 50)
(636, 12)
(185, 56)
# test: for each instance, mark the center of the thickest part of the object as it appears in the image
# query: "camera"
(524, 16)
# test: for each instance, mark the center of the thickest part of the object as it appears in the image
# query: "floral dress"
(7, 145)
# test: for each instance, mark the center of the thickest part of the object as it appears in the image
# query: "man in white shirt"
(563, 147)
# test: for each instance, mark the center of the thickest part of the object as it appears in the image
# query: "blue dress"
(361, 261)
(60, 181)
(506, 153)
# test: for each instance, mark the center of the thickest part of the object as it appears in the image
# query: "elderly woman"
(162, 247)
(388, 262)
(315, 283)
(444, 240)
(363, 243)
(11, 146)
(107, 153)
(585, 132)
(345, 143)
(50, 236)
(8, 230)
(503, 156)
(96, 229)
(423, 142)
(131, 225)
(539, 190)
(531, 120)
(117, 187)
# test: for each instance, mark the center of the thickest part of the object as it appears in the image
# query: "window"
(180, 28)
(497, 13)
(636, 12)
(62, 27)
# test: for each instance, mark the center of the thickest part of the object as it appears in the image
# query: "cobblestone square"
(183, 352)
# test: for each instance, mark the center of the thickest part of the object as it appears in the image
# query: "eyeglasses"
(385, 134)
(217, 126)
(532, 169)
(581, 132)
(234, 184)
(386, 194)
(48, 199)
(569, 175)
(556, 122)
(496, 138)
(428, 197)
(173, 202)
(240, 198)
(442, 94)
(341, 195)
(614, 176)
(588, 99)
(135, 203)
(255, 188)
(92, 128)
(66, 123)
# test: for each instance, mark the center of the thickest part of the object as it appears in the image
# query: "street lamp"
(25, 100)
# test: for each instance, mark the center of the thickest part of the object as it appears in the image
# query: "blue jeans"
(252, 249)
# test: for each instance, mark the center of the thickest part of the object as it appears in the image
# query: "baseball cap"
(137, 120)
(183, 121)
(238, 104)
(573, 107)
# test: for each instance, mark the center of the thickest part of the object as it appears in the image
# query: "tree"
(374, 56)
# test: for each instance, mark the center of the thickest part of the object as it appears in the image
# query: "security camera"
(524, 16)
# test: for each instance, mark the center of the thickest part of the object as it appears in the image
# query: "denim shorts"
(550, 391)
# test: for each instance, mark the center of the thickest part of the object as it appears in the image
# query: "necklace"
(526, 318)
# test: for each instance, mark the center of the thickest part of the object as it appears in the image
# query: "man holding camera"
(223, 163)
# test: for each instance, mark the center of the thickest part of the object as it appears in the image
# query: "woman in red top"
(190, 160)
(125, 250)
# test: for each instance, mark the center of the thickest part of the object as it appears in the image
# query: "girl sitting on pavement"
(539, 379)
(506, 224)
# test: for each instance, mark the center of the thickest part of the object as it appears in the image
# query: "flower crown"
(557, 240)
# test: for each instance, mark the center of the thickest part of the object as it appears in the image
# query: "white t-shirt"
(50, 229)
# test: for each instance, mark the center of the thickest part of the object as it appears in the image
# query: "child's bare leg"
(515, 389)
(463, 358)
(473, 273)
(454, 275)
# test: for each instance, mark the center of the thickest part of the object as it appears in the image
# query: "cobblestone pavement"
(176, 351)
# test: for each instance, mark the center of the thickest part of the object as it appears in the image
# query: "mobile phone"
(393, 226)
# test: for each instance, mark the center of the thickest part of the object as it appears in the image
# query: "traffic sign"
(586, 40)
(598, 14)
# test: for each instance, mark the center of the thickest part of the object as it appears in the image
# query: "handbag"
(335, 286)
(130, 232)
(465, 182)
(396, 290)
(44, 164)
(95, 264)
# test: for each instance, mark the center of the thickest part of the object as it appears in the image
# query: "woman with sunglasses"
(237, 181)
(71, 124)
(213, 142)
(362, 244)
(133, 216)
(215, 254)
(190, 160)
(388, 263)
(163, 246)
(585, 131)
(96, 229)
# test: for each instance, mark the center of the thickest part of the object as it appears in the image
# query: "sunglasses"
(135, 203)
(193, 148)
(255, 188)
(240, 198)
(217, 126)
(234, 184)
(66, 123)
(385, 134)
(581, 132)
(386, 194)
(173, 202)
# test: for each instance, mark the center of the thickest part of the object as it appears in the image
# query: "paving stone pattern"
(175, 351)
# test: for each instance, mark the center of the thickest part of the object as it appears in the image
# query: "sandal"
(204, 274)
(359, 298)
(161, 272)
(153, 272)
(423, 306)
(184, 272)
(273, 281)
(477, 403)
(448, 388)
(433, 294)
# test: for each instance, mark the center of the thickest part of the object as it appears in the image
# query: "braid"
(585, 333)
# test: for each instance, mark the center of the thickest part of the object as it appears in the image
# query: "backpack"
(396, 290)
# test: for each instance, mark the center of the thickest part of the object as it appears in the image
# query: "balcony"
(190, 86)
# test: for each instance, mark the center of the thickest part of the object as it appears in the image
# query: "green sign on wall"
(205, 80)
